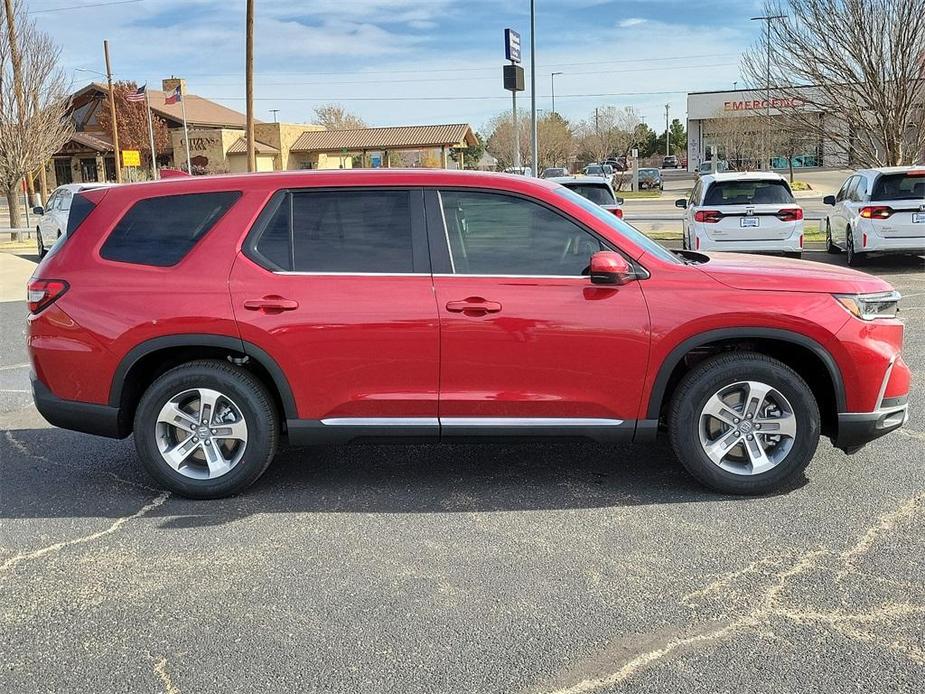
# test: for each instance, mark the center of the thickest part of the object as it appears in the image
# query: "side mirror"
(681, 202)
(609, 267)
(38, 209)
(829, 200)
(620, 200)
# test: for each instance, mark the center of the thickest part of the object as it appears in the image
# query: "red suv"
(215, 317)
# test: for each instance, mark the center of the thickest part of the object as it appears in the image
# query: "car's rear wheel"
(854, 258)
(830, 247)
(206, 429)
(744, 423)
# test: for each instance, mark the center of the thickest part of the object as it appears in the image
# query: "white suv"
(877, 211)
(52, 222)
(743, 212)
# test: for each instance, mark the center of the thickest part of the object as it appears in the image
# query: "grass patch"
(800, 185)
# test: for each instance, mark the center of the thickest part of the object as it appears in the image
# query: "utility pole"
(767, 111)
(533, 138)
(552, 77)
(112, 114)
(667, 136)
(274, 111)
(249, 85)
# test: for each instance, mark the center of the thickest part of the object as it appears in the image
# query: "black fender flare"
(781, 335)
(204, 340)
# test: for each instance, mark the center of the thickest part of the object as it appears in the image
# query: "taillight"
(790, 214)
(617, 211)
(41, 294)
(876, 212)
(708, 216)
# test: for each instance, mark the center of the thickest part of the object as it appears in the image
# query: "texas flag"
(174, 96)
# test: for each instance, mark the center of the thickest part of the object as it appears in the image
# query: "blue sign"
(375, 161)
(512, 45)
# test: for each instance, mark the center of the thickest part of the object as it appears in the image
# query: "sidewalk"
(15, 271)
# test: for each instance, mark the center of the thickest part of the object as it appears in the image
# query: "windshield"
(649, 172)
(552, 173)
(597, 194)
(902, 186)
(621, 227)
(749, 192)
(593, 170)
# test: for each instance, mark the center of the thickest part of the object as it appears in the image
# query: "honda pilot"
(214, 318)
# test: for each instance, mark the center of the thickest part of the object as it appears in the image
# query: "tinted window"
(843, 191)
(492, 234)
(64, 201)
(340, 231)
(902, 186)
(748, 192)
(161, 231)
(80, 208)
(600, 195)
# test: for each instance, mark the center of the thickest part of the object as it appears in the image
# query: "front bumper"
(855, 429)
(87, 417)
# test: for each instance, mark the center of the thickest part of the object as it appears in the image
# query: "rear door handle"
(473, 306)
(271, 303)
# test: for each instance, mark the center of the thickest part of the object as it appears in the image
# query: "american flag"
(137, 95)
(174, 96)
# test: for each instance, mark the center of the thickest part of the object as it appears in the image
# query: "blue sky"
(399, 62)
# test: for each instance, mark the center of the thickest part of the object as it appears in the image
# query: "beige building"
(216, 139)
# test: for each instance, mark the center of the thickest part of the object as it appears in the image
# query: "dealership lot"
(509, 568)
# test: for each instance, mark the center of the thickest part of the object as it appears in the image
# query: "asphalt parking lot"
(516, 568)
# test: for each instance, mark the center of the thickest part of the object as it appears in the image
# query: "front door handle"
(271, 303)
(473, 306)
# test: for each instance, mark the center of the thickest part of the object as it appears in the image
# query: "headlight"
(870, 306)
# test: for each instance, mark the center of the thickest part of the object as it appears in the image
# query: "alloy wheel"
(747, 428)
(201, 433)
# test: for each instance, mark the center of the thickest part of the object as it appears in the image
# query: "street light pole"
(767, 111)
(533, 139)
(552, 78)
(667, 137)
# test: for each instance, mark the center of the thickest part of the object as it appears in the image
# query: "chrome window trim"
(381, 421)
(351, 274)
(446, 231)
(530, 277)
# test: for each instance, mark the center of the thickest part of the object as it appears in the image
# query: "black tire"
(712, 375)
(854, 258)
(684, 245)
(40, 244)
(797, 255)
(248, 394)
(830, 247)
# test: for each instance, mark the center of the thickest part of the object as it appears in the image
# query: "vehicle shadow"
(52, 473)
(888, 264)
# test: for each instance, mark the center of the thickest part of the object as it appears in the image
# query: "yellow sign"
(131, 157)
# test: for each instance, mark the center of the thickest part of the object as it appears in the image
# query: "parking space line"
(9, 367)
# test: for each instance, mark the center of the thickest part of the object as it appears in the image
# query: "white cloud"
(632, 21)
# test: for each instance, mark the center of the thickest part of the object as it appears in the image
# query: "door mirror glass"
(828, 200)
(680, 202)
(609, 267)
(38, 209)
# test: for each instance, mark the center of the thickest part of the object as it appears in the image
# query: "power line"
(440, 98)
(470, 79)
(478, 69)
(84, 7)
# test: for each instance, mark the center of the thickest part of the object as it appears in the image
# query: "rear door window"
(748, 192)
(161, 231)
(344, 231)
(900, 186)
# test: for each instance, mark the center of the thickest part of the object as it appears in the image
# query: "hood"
(742, 271)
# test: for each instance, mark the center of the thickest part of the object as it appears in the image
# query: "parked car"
(519, 170)
(554, 172)
(712, 167)
(618, 164)
(601, 170)
(215, 317)
(651, 179)
(670, 161)
(52, 222)
(597, 190)
(878, 211)
(742, 212)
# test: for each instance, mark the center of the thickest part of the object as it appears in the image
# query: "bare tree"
(34, 121)
(500, 141)
(859, 62)
(737, 138)
(336, 117)
(556, 141)
(609, 131)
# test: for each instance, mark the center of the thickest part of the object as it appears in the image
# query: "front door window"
(88, 172)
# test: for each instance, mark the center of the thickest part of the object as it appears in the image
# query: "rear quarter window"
(161, 231)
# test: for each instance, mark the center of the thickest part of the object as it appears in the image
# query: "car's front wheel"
(40, 244)
(206, 429)
(854, 258)
(744, 423)
(830, 246)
